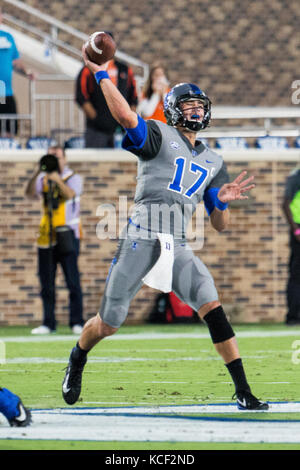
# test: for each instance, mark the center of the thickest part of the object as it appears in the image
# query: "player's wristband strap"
(100, 75)
(222, 206)
(297, 231)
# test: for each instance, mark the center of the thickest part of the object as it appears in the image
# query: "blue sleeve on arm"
(211, 200)
(135, 137)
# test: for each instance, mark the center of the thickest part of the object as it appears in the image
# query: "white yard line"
(275, 407)
(151, 336)
(100, 360)
(145, 424)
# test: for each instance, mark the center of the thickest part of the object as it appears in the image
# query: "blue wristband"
(100, 75)
(222, 206)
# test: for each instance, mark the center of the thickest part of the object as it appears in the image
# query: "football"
(100, 47)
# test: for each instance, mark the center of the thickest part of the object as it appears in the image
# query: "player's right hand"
(94, 68)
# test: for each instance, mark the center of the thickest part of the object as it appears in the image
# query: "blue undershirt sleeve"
(135, 138)
(209, 199)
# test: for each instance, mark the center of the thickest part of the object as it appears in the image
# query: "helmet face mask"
(179, 94)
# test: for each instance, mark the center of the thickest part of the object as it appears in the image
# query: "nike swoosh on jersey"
(208, 161)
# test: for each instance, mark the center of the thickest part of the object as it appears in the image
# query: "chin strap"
(192, 125)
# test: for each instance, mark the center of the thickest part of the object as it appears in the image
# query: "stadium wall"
(248, 261)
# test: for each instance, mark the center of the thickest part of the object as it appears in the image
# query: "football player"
(177, 171)
(13, 409)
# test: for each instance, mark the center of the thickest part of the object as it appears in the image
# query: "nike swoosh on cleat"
(242, 402)
(65, 387)
(22, 416)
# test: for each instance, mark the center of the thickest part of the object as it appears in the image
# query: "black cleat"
(71, 386)
(23, 419)
(246, 401)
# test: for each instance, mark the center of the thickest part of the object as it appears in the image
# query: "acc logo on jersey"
(174, 145)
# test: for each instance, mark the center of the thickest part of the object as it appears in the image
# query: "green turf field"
(150, 366)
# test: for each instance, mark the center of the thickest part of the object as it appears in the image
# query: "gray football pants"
(192, 282)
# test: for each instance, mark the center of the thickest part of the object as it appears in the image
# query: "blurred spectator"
(9, 60)
(291, 208)
(100, 125)
(156, 87)
(59, 235)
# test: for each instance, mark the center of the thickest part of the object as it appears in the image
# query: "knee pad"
(113, 311)
(218, 325)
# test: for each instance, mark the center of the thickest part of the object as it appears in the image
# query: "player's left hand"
(235, 190)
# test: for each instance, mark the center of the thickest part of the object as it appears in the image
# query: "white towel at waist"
(161, 275)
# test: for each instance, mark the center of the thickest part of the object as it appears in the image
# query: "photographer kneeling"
(59, 235)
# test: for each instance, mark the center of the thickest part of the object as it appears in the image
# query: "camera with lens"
(49, 163)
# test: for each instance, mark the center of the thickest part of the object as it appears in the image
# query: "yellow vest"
(58, 215)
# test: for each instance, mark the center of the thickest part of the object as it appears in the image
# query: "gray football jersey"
(172, 182)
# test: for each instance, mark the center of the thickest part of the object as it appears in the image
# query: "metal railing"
(12, 124)
(58, 113)
(264, 121)
(55, 27)
(55, 115)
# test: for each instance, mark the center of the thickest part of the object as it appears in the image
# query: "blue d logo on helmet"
(186, 92)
